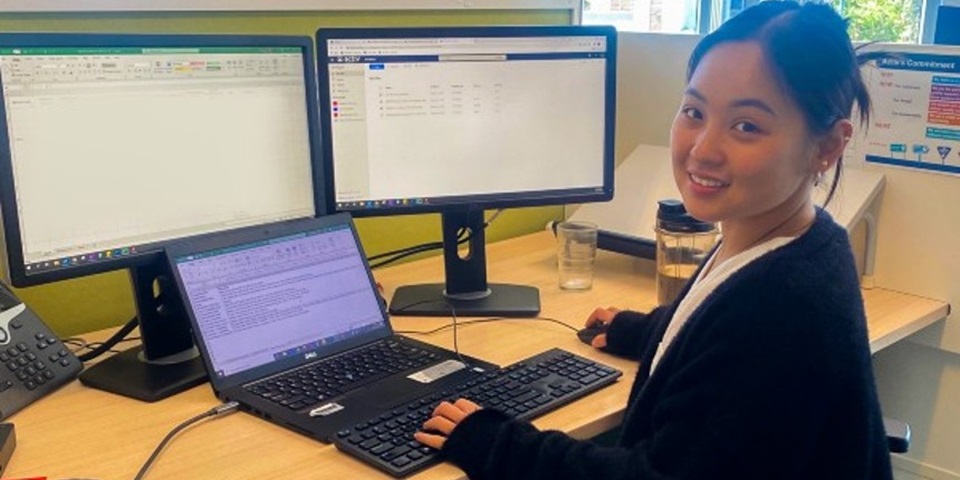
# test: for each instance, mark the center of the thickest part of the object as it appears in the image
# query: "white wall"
(651, 76)
(919, 381)
(918, 231)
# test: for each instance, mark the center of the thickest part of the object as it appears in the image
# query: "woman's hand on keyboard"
(445, 418)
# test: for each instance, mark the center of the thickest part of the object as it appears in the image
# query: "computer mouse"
(587, 334)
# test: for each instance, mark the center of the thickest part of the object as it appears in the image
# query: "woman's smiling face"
(742, 152)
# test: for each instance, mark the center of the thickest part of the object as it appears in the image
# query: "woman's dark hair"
(811, 55)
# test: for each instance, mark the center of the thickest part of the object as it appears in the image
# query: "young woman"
(761, 368)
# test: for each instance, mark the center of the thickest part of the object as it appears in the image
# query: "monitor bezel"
(472, 202)
(152, 253)
(943, 35)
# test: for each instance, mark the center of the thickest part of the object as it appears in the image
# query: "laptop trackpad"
(399, 390)
(392, 392)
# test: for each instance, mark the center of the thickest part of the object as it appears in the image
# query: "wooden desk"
(83, 433)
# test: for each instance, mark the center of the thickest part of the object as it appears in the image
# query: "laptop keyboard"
(526, 389)
(319, 381)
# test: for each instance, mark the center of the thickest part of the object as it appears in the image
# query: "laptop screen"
(280, 299)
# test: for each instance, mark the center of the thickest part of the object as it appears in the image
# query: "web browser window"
(421, 119)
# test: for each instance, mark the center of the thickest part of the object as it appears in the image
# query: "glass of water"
(576, 254)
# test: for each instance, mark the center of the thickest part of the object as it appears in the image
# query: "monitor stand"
(168, 362)
(466, 292)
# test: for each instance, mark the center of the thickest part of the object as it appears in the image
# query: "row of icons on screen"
(384, 203)
(309, 350)
(82, 259)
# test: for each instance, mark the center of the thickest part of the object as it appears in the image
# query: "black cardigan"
(769, 378)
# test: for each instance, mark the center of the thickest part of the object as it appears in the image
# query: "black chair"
(898, 435)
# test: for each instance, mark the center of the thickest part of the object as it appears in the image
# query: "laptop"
(290, 324)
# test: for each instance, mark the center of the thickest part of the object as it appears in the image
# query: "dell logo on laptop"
(310, 356)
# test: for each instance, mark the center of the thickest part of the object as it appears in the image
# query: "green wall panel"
(287, 23)
(82, 305)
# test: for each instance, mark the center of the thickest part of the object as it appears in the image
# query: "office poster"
(915, 121)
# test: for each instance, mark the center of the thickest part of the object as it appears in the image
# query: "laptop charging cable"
(218, 411)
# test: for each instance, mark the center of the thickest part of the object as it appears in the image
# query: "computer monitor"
(456, 120)
(948, 25)
(111, 146)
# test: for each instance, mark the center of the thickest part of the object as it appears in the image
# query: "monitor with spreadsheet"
(111, 146)
(460, 119)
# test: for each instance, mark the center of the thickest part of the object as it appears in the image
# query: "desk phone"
(33, 361)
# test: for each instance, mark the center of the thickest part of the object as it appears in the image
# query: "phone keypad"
(33, 361)
(33, 371)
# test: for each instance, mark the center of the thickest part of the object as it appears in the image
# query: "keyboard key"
(381, 449)
(396, 452)
(528, 395)
(589, 379)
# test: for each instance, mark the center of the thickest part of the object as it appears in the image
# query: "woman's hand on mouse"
(601, 316)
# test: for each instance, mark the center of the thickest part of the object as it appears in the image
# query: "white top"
(704, 285)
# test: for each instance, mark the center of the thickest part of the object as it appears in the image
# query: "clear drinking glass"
(576, 254)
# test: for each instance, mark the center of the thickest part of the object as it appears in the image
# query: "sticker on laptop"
(437, 371)
(326, 409)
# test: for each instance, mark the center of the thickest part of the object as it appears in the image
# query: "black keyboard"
(328, 378)
(525, 390)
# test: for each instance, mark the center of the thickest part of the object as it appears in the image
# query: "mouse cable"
(455, 324)
(453, 315)
(218, 411)
(485, 320)
(456, 346)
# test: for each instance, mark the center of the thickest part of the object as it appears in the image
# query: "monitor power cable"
(395, 255)
(218, 411)
(111, 342)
